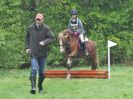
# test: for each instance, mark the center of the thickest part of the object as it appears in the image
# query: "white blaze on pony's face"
(60, 36)
(62, 49)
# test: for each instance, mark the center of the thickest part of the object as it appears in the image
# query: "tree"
(30, 5)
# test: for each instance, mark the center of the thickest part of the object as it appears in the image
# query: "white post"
(108, 62)
(110, 44)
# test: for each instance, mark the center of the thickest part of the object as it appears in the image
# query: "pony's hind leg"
(94, 62)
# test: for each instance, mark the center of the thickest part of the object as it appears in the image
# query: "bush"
(102, 20)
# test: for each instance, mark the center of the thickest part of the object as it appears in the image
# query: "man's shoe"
(33, 91)
(41, 91)
(33, 84)
(40, 81)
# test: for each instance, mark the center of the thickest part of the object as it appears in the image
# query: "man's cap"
(39, 16)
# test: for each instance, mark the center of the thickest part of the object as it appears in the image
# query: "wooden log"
(75, 71)
(55, 76)
(77, 74)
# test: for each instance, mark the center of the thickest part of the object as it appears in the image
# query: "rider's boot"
(84, 49)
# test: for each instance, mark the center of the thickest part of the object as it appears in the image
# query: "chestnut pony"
(72, 49)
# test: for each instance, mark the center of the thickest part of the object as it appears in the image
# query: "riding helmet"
(74, 12)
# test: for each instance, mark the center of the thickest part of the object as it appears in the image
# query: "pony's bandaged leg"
(62, 50)
(81, 36)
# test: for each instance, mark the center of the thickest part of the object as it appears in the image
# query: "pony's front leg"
(72, 54)
(74, 50)
(69, 61)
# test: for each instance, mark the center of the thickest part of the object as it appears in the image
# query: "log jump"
(77, 74)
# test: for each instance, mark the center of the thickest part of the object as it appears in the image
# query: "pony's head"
(64, 35)
(68, 41)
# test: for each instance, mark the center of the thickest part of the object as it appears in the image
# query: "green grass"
(14, 84)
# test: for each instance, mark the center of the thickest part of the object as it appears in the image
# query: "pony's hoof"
(68, 77)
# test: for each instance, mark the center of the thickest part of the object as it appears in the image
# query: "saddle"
(80, 47)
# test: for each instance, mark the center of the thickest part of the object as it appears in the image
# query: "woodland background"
(102, 20)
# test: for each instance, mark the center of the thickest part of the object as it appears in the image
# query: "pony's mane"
(66, 31)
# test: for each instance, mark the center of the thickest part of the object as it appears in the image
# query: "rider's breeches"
(81, 36)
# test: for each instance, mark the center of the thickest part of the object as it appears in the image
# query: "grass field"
(14, 84)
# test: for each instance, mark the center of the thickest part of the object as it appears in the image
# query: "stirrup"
(86, 52)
